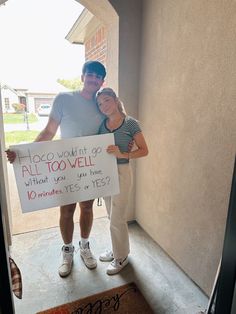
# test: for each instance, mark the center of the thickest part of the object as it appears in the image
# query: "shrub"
(19, 108)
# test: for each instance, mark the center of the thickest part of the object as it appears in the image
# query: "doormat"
(126, 299)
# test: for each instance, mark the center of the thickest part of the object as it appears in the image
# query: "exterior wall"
(31, 104)
(96, 45)
(105, 12)
(187, 107)
(129, 52)
(180, 83)
(11, 96)
(129, 61)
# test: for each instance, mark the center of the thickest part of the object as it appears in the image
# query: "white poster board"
(62, 172)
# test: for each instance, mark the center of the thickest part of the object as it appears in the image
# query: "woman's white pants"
(117, 206)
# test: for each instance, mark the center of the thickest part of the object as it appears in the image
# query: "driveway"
(36, 126)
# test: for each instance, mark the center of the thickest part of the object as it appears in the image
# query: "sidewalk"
(36, 126)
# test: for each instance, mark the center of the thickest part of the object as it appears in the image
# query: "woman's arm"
(141, 151)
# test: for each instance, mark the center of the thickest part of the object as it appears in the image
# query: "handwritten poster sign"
(55, 173)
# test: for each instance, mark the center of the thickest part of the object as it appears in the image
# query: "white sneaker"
(116, 266)
(67, 261)
(87, 256)
(106, 256)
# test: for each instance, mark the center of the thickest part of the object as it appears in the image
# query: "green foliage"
(17, 137)
(18, 107)
(12, 118)
(73, 84)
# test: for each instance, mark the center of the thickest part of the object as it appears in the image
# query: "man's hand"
(11, 156)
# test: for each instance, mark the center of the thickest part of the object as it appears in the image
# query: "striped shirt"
(124, 135)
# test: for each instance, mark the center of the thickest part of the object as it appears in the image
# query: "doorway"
(26, 223)
(45, 218)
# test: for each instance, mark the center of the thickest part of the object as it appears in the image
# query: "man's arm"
(48, 132)
(45, 135)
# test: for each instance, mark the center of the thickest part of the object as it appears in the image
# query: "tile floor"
(167, 289)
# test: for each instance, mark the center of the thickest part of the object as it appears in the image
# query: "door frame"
(6, 297)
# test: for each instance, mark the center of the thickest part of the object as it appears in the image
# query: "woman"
(126, 131)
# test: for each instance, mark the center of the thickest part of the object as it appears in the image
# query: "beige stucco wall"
(187, 107)
(174, 65)
(122, 20)
(129, 28)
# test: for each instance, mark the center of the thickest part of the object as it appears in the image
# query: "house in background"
(35, 99)
(11, 96)
(31, 100)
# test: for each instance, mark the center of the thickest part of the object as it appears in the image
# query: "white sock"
(84, 241)
(69, 245)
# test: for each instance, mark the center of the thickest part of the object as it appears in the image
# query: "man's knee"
(67, 211)
(86, 205)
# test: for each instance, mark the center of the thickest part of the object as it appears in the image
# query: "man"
(77, 115)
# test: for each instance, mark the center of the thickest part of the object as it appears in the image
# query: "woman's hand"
(11, 156)
(113, 149)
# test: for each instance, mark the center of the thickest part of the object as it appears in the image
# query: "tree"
(73, 84)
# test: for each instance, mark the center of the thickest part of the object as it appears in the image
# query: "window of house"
(7, 103)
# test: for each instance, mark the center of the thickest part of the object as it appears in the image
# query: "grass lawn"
(16, 137)
(12, 118)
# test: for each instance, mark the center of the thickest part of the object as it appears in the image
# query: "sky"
(33, 50)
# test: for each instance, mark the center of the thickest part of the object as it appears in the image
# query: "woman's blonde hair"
(110, 92)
